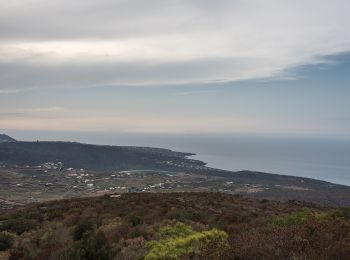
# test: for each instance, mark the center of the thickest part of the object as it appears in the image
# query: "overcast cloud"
(84, 43)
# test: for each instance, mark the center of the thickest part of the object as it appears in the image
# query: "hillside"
(6, 138)
(93, 157)
(175, 226)
(39, 171)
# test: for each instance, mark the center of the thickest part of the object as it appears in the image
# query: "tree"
(6, 241)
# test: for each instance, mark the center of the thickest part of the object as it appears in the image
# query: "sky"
(176, 66)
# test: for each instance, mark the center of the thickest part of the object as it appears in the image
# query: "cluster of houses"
(80, 180)
(51, 166)
(183, 164)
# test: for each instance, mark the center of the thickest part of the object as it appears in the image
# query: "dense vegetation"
(175, 226)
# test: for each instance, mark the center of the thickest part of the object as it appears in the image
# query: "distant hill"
(102, 159)
(93, 157)
(6, 138)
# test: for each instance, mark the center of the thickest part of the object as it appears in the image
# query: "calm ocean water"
(323, 159)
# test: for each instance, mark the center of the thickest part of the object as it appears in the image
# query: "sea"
(319, 158)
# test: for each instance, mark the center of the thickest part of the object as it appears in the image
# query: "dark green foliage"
(6, 241)
(135, 220)
(18, 225)
(80, 229)
(94, 246)
(341, 213)
(138, 231)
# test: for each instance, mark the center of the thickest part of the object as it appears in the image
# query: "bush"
(296, 218)
(341, 213)
(6, 241)
(135, 220)
(94, 246)
(19, 225)
(80, 229)
(54, 236)
(181, 240)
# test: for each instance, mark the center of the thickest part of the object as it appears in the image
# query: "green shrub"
(18, 225)
(138, 231)
(54, 236)
(6, 241)
(295, 218)
(179, 240)
(341, 213)
(305, 215)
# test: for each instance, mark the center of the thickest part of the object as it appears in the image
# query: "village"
(50, 180)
